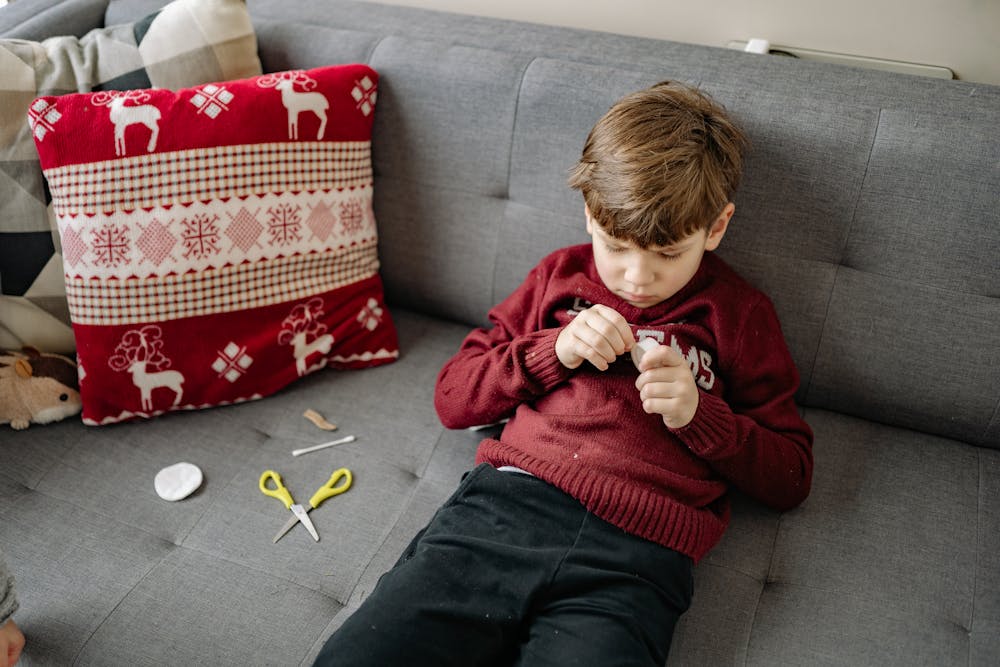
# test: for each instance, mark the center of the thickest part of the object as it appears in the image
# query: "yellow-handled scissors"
(339, 481)
(281, 493)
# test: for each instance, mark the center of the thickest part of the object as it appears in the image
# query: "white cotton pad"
(641, 348)
(178, 481)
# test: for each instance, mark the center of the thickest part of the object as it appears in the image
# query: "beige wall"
(963, 35)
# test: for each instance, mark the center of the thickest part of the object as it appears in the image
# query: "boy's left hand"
(667, 386)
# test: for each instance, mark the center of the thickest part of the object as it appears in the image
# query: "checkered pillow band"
(219, 241)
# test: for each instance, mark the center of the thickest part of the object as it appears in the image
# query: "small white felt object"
(178, 481)
(641, 348)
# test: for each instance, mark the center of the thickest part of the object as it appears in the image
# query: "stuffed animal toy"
(37, 387)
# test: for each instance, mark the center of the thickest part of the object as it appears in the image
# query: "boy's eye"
(670, 255)
(615, 248)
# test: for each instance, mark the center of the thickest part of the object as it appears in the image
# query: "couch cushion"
(219, 242)
(870, 371)
(188, 42)
(894, 547)
(96, 590)
(892, 560)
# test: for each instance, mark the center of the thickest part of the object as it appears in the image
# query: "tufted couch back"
(867, 213)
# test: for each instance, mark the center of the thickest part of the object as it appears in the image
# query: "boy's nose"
(638, 272)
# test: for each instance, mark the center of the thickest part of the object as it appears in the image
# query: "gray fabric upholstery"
(868, 211)
(39, 19)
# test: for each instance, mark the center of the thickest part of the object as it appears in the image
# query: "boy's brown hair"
(660, 165)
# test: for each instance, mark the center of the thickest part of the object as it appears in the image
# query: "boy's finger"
(608, 341)
(662, 355)
(622, 329)
(658, 381)
(589, 345)
(593, 339)
(609, 313)
(619, 328)
(610, 324)
(627, 336)
(673, 357)
(596, 359)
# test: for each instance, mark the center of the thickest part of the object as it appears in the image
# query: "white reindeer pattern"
(296, 330)
(302, 350)
(296, 102)
(139, 350)
(147, 382)
(123, 116)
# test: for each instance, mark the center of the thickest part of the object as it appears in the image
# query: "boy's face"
(644, 277)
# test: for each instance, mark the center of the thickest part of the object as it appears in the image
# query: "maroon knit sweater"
(585, 432)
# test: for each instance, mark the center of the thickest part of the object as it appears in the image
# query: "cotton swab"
(314, 448)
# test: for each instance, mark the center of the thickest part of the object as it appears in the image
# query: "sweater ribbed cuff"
(712, 432)
(539, 359)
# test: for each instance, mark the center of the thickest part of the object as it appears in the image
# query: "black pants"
(511, 571)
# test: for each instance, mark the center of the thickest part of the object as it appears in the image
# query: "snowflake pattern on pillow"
(219, 241)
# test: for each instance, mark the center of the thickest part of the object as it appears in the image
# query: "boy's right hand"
(598, 335)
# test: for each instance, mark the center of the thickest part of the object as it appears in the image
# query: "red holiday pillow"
(219, 241)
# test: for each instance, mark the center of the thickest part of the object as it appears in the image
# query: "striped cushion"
(219, 241)
(186, 43)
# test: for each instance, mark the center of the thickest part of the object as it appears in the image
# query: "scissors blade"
(292, 520)
(303, 516)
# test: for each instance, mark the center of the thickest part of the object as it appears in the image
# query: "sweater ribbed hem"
(647, 513)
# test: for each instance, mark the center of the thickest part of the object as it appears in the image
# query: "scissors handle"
(279, 492)
(332, 488)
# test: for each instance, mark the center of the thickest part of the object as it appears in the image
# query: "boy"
(572, 542)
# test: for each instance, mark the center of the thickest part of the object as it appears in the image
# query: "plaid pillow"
(218, 242)
(186, 43)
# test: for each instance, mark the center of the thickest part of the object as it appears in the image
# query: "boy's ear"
(586, 213)
(719, 227)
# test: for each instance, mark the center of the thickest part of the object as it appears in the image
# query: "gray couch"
(869, 212)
